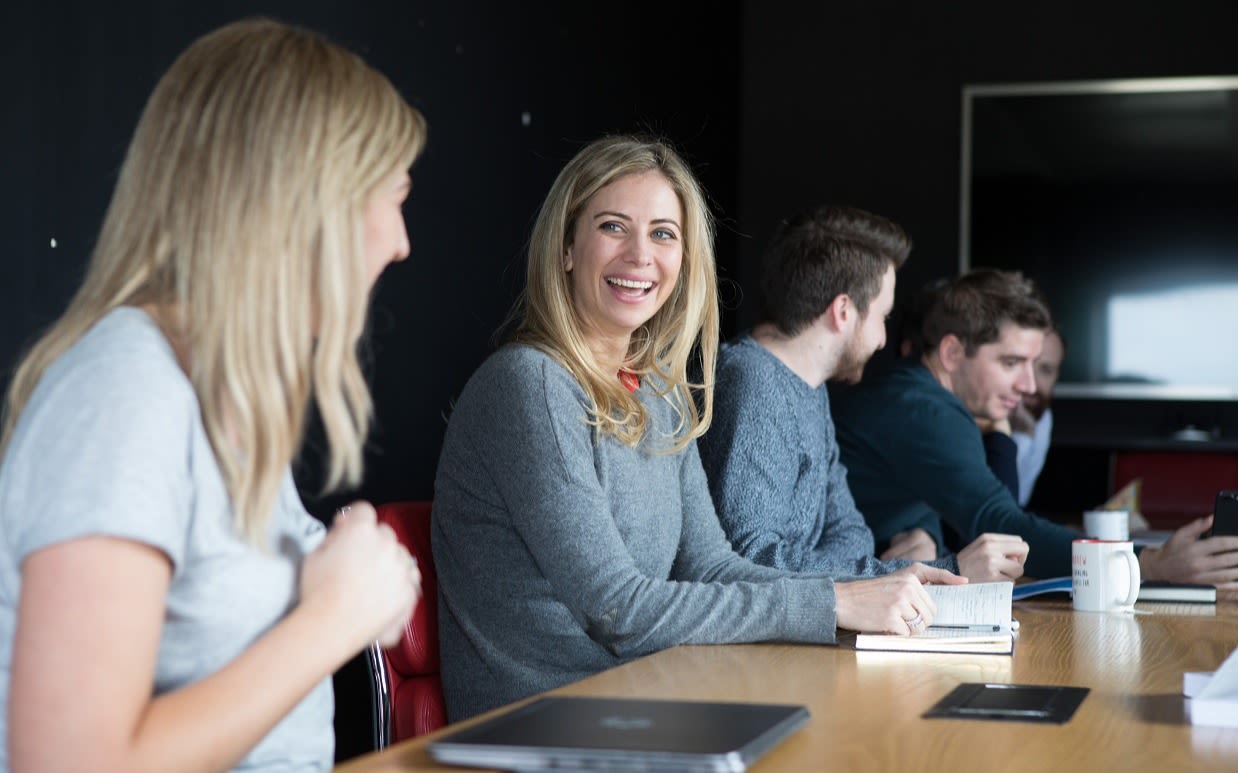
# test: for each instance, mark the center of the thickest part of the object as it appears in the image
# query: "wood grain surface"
(867, 706)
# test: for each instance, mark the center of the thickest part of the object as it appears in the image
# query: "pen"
(970, 627)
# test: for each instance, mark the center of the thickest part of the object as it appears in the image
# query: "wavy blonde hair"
(240, 208)
(683, 333)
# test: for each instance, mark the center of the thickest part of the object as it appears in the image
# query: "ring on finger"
(914, 624)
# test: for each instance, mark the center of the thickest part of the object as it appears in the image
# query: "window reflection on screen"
(1186, 335)
(1119, 198)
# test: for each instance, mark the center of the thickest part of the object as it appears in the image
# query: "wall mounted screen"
(1120, 198)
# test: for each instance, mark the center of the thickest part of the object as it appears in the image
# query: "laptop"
(622, 734)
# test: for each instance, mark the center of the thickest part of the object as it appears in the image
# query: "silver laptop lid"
(621, 734)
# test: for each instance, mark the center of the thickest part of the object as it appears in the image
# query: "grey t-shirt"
(111, 443)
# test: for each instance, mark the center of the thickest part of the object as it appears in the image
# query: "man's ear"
(951, 352)
(839, 312)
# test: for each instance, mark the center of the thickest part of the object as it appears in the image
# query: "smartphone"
(1225, 513)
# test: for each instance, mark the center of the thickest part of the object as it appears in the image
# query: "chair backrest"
(1177, 486)
(408, 692)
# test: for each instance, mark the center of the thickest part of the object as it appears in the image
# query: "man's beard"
(1037, 407)
(851, 362)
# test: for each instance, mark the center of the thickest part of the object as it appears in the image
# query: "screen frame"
(971, 92)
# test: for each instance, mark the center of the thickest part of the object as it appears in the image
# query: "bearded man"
(827, 287)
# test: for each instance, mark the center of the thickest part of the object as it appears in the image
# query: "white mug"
(1104, 575)
(1107, 524)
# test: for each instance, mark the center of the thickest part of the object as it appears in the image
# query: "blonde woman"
(166, 603)
(573, 527)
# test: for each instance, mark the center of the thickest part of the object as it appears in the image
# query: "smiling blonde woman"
(573, 528)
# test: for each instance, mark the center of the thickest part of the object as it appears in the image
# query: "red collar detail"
(630, 380)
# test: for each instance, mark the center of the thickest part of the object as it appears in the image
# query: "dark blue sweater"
(915, 458)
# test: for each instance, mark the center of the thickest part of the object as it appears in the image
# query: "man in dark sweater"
(827, 286)
(911, 443)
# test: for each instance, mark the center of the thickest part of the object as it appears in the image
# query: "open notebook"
(971, 618)
(570, 733)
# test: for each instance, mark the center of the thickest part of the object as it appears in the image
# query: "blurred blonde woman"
(573, 528)
(166, 602)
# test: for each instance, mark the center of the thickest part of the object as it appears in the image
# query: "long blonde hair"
(686, 327)
(239, 207)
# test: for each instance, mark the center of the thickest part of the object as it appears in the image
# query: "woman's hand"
(362, 578)
(360, 583)
(896, 603)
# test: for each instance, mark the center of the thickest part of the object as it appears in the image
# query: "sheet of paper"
(1214, 697)
(1224, 682)
(1128, 499)
(986, 603)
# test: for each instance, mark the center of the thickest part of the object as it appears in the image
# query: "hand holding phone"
(1225, 514)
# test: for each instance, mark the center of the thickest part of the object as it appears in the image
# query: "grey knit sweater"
(561, 553)
(773, 466)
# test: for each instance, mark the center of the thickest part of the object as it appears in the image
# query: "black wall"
(860, 103)
(82, 72)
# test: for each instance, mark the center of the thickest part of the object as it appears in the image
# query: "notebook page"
(972, 604)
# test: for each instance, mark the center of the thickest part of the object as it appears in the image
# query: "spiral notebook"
(570, 733)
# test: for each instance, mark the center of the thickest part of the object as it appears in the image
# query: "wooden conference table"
(866, 706)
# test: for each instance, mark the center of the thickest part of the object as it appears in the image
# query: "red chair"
(408, 692)
(1177, 487)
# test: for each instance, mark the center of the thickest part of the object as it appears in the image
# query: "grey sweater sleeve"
(619, 537)
(705, 551)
